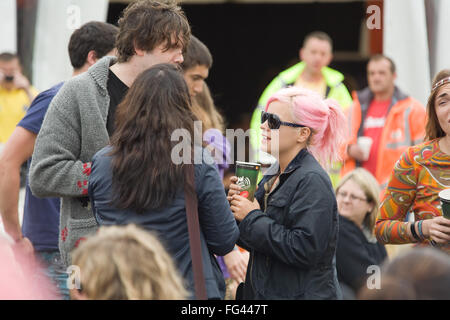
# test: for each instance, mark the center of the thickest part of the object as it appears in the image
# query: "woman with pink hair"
(291, 227)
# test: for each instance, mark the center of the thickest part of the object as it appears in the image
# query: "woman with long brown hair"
(418, 177)
(139, 178)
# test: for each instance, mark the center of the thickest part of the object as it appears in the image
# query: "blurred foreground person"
(419, 274)
(125, 263)
(21, 276)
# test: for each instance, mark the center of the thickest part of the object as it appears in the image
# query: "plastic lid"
(445, 194)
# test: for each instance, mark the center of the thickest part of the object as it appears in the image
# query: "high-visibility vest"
(404, 127)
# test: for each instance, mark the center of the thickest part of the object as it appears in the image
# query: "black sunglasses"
(274, 121)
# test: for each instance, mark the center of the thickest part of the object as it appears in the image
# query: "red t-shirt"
(373, 126)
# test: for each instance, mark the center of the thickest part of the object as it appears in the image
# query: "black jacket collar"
(294, 164)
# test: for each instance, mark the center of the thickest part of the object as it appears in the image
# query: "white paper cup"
(444, 196)
(365, 143)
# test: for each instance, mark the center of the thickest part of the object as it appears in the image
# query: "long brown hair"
(433, 128)
(144, 175)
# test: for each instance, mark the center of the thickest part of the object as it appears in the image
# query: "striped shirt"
(418, 176)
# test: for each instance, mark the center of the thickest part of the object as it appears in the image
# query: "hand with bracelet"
(436, 229)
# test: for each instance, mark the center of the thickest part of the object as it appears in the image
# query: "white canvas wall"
(55, 22)
(405, 41)
(8, 26)
(442, 45)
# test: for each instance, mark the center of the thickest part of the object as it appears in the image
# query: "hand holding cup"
(365, 144)
(233, 189)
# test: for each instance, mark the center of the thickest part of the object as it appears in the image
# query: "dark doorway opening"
(252, 43)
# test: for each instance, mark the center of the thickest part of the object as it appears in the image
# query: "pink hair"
(324, 117)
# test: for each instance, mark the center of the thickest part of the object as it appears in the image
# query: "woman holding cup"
(290, 229)
(420, 174)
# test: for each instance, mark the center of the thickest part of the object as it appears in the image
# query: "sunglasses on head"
(274, 121)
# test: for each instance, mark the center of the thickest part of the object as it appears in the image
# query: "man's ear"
(91, 57)
(139, 52)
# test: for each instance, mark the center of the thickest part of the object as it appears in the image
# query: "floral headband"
(440, 83)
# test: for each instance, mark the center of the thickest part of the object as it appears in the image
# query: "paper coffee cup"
(444, 196)
(247, 174)
(365, 143)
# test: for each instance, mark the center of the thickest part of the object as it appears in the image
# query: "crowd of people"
(345, 175)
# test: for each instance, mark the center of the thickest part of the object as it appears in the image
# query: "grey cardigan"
(74, 129)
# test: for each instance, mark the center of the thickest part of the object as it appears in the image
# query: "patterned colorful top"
(418, 176)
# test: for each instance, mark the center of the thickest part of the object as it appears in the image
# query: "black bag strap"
(194, 232)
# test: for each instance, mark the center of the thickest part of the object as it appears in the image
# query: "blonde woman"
(357, 196)
(126, 263)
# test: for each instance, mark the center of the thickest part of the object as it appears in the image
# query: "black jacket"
(219, 231)
(355, 254)
(292, 242)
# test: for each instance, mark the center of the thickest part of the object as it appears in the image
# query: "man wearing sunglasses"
(312, 73)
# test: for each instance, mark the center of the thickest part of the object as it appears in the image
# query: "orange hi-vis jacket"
(404, 127)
